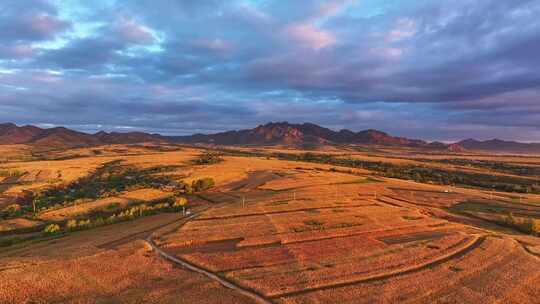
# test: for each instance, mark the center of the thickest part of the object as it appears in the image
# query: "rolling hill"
(64, 137)
(273, 133)
(285, 133)
(501, 146)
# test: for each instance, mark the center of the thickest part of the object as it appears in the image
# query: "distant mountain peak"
(286, 133)
(499, 145)
(7, 125)
(271, 133)
(64, 137)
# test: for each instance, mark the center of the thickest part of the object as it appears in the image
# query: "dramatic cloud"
(433, 69)
(29, 20)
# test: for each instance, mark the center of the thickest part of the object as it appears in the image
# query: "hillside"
(63, 137)
(273, 133)
(502, 146)
(299, 134)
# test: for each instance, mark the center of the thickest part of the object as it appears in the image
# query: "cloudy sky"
(431, 69)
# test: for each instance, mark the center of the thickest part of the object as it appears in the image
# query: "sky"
(431, 69)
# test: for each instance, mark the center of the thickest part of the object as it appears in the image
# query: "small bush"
(526, 225)
(12, 210)
(188, 189)
(84, 224)
(8, 173)
(111, 219)
(180, 202)
(202, 184)
(208, 158)
(535, 226)
(99, 222)
(51, 229)
(112, 206)
(161, 206)
(71, 225)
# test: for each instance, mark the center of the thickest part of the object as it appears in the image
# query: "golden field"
(289, 230)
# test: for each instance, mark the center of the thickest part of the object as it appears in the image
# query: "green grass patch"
(412, 218)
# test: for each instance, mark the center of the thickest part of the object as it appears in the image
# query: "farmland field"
(285, 225)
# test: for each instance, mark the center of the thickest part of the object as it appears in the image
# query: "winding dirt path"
(223, 281)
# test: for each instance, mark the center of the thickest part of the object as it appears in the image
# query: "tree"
(71, 225)
(203, 184)
(51, 229)
(180, 202)
(535, 226)
(12, 210)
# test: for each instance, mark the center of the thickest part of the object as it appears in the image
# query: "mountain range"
(64, 137)
(280, 133)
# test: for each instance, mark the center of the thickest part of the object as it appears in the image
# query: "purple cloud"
(457, 69)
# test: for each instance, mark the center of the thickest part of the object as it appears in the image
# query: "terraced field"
(311, 237)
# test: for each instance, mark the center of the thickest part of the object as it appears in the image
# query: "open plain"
(283, 228)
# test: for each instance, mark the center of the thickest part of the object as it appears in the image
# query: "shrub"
(111, 219)
(188, 189)
(99, 222)
(535, 226)
(12, 210)
(83, 224)
(208, 158)
(51, 229)
(8, 173)
(526, 225)
(112, 206)
(203, 184)
(161, 206)
(71, 225)
(180, 202)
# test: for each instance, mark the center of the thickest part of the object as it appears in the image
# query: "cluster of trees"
(52, 229)
(208, 158)
(523, 224)
(495, 166)
(10, 211)
(133, 212)
(202, 184)
(425, 174)
(197, 185)
(10, 173)
(161, 169)
(108, 180)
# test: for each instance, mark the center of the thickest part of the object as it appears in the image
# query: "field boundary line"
(122, 240)
(526, 248)
(229, 284)
(476, 242)
(226, 217)
(223, 281)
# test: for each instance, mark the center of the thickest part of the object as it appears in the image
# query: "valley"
(277, 224)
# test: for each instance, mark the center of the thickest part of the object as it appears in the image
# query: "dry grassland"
(294, 232)
(311, 232)
(140, 196)
(90, 268)
(17, 223)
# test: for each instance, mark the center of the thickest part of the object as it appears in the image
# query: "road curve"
(229, 284)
